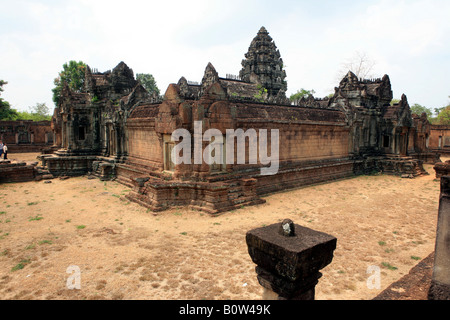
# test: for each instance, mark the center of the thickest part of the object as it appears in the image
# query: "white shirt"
(5, 149)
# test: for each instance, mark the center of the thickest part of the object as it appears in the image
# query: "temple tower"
(263, 65)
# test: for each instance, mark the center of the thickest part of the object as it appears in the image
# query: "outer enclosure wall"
(26, 136)
(439, 140)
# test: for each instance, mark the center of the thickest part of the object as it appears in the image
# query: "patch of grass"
(415, 258)
(184, 233)
(32, 203)
(177, 213)
(21, 265)
(381, 243)
(68, 220)
(4, 235)
(31, 246)
(2, 212)
(389, 266)
(217, 223)
(81, 227)
(45, 242)
(36, 218)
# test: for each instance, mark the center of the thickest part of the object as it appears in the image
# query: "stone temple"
(115, 129)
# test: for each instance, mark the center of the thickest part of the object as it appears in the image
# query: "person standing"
(1, 149)
(5, 151)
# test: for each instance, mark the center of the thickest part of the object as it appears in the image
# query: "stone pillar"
(70, 135)
(288, 259)
(63, 135)
(117, 140)
(440, 283)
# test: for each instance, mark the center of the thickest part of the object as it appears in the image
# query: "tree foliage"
(73, 74)
(39, 112)
(148, 82)
(296, 97)
(6, 112)
(419, 109)
(443, 115)
(394, 101)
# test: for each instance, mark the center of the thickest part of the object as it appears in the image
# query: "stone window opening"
(446, 141)
(386, 141)
(81, 133)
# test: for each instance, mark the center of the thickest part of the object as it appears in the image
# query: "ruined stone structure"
(26, 135)
(14, 171)
(115, 129)
(439, 139)
(263, 66)
(440, 284)
(289, 258)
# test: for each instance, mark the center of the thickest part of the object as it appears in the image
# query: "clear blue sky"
(408, 40)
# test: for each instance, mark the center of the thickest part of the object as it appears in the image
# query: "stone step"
(239, 189)
(236, 195)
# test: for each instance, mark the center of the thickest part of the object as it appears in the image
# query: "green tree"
(73, 74)
(438, 110)
(6, 112)
(418, 109)
(148, 82)
(39, 112)
(296, 97)
(444, 116)
(394, 101)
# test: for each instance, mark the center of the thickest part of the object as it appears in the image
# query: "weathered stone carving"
(440, 284)
(289, 258)
(263, 65)
(115, 129)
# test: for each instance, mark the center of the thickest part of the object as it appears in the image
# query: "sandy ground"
(125, 252)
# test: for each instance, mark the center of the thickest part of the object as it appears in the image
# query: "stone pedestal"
(442, 169)
(288, 259)
(440, 283)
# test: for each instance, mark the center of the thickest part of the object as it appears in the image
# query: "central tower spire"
(263, 65)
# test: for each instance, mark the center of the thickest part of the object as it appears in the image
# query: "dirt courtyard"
(123, 251)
